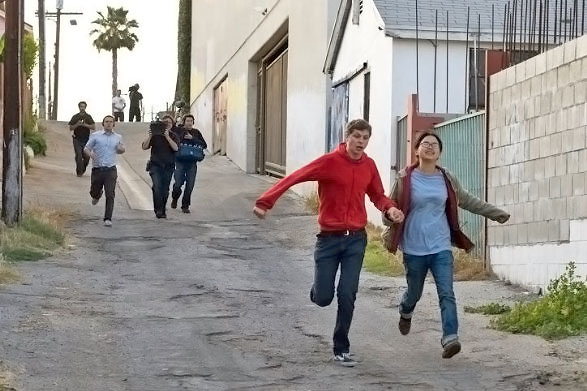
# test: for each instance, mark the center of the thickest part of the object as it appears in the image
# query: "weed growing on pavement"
(377, 259)
(488, 309)
(562, 312)
(7, 274)
(312, 202)
(37, 236)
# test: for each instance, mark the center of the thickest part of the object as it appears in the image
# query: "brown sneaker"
(404, 325)
(451, 348)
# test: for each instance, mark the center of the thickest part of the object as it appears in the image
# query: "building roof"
(399, 17)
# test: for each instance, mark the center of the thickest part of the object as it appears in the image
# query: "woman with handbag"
(163, 145)
(429, 197)
(190, 152)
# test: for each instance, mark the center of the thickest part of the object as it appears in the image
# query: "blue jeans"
(441, 266)
(161, 178)
(184, 173)
(330, 253)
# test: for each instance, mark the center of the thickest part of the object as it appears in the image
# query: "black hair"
(189, 116)
(83, 102)
(106, 116)
(426, 134)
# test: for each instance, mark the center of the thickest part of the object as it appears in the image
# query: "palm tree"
(114, 32)
(184, 50)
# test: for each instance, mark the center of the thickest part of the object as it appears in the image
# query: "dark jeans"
(119, 116)
(330, 252)
(134, 113)
(81, 160)
(161, 178)
(104, 178)
(184, 173)
(441, 266)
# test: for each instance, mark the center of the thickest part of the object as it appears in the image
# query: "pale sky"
(85, 74)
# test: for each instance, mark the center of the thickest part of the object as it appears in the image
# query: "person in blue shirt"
(102, 148)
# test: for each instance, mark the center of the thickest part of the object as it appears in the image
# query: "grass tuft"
(312, 202)
(37, 236)
(489, 309)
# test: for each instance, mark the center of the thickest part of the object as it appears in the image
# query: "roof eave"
(337, 35)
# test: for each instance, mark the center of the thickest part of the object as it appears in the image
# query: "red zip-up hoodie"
(342, 185)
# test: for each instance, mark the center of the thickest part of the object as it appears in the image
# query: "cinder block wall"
(537, 165)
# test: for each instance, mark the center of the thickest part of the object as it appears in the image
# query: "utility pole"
(42, 96)
(12, 158)
(59, 6)
(56, 81)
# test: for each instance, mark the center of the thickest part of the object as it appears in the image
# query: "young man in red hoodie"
(344, 177)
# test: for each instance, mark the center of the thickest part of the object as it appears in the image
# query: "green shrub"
(33, 137)
(560, 313)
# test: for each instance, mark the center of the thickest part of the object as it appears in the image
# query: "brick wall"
(537, 164)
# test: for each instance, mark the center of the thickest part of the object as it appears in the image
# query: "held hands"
(260, 213)
(395, 215)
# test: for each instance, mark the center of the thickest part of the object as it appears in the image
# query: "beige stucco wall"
(228, 39)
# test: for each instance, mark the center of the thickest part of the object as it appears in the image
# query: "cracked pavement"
(218, 300)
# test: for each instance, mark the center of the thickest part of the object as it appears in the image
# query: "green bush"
(36, 140)
(33, 137)
(562, 312)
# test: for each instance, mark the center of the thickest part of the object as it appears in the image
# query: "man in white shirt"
(118, 105)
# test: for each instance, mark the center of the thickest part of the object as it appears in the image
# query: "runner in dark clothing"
(81, 124)
(136, 103)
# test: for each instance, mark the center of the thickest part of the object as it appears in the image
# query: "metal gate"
(402, 142)
(276, 115)
(220, 116)
(463, 154)
(339, 115)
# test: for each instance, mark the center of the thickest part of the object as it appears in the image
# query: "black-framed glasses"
(426, 144)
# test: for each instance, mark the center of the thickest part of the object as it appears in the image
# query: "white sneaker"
(344, 359)
(107, 223)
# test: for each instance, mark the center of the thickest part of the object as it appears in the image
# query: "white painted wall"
(229, 38)
(366, 43)
(535, 266)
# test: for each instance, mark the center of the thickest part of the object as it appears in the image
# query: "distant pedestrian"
(80, 125)
(163, 144)
(102, 147)
(186, 167)
(118, 105)
(136, 103)
(344, 177)
(429, 197)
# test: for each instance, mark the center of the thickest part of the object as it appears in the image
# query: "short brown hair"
(357, 124)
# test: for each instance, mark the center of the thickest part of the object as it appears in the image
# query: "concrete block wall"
(537, 165)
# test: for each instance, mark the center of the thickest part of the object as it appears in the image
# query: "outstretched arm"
(312, 172)
(475, 205)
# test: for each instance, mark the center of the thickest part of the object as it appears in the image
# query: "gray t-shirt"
(427, 230)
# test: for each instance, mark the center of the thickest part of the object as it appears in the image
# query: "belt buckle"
(347, 232)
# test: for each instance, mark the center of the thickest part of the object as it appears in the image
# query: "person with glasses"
(161, 164)
(428, 195)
